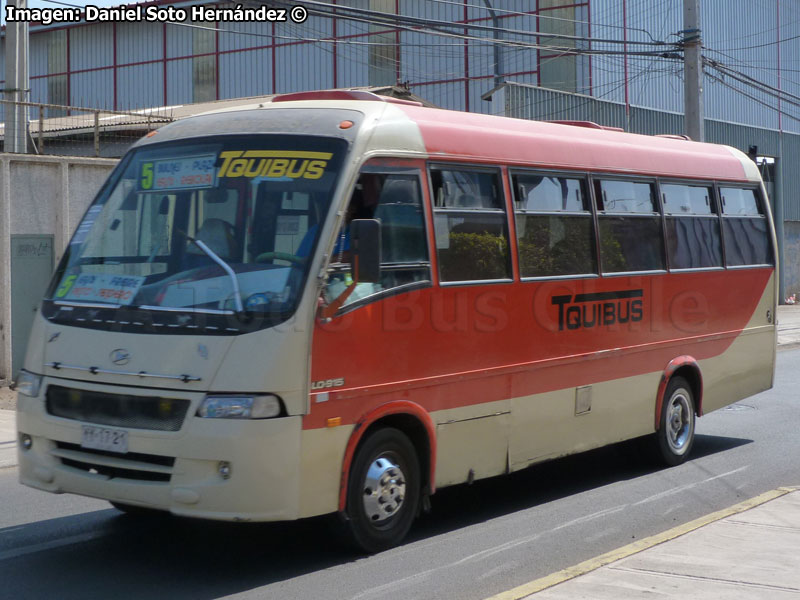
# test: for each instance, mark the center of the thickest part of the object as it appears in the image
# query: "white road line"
(688, 486)
(74, 539)
(4, 531)
(597, 515)
(378, 591)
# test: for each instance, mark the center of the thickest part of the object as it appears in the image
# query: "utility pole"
(498, 67)
(694, 114)
(16, 116)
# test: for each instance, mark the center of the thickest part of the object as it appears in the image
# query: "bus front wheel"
(383, 491)
(675, 435)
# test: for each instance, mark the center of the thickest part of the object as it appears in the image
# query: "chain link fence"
(79, 131)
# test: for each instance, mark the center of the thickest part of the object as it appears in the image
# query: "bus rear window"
(744, 228)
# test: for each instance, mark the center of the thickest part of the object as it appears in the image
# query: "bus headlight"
(240, 407)
(28, 384)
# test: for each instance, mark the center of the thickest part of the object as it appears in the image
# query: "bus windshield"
(225, 225)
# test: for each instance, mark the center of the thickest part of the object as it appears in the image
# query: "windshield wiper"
(237, 298)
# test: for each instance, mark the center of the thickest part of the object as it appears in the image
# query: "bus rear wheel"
(383, 491)
(675, 435)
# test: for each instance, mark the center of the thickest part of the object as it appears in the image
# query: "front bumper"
(263, 456)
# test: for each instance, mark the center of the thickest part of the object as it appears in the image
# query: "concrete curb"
(543, 583)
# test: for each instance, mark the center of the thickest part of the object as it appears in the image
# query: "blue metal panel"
(140, 86)
(352, 65)
(450, 95)
(243, 74)
(179, 41)
(236, 36)
(93, 89)
(477, 104)
(91, 47)
(137, 42)
(481, 59)
(39, 90)
(179, 81)
(37, 54)
(420, 63)
(302, 67)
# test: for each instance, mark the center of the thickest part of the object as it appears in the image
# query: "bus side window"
(470, 224)
(394, 199)
(744, 228)
(629, 222)
(692, 225)
(554, 226)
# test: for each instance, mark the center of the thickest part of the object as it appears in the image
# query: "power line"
(779, 94)
(751, 97)
(394, 20)
(538, 15)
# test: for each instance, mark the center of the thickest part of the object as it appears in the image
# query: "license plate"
(104, 438)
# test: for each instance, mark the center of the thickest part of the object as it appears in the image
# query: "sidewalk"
(788, 326)
(751, 550)
(8, 439)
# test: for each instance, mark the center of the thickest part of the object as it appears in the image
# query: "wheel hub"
(679, 422)
(384, 489)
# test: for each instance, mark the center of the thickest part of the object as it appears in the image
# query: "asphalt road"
(478, 541)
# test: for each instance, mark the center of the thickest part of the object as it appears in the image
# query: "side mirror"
(365, 250)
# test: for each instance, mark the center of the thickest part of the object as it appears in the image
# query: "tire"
(383, 491)
(675, 435)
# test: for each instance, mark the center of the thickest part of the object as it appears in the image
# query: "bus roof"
(455, 135)
(559, 146)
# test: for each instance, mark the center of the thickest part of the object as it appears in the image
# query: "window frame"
(385, 165)
(761, 204)
(595, 178)
(496, 170)
(585, 179)
(715, 215)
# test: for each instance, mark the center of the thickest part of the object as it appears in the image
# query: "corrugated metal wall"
(166, 64)
(447, 71)
(528, 102)
(136, 65)
(742, 34)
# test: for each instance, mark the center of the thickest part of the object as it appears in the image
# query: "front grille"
(133, 465)
(119, 410)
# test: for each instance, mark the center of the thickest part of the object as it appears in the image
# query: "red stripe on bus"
(458, 346)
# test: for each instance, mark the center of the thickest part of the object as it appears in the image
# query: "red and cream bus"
(339, 303)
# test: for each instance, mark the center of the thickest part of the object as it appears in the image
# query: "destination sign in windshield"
(191, 172)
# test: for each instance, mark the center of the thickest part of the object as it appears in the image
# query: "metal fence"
(80, 131)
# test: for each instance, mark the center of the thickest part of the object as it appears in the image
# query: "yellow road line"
(537, 585)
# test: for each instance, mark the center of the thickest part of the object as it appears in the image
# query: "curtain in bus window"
(552, 245)
(554, 226)
(693, 242)
(746, 241)
(472, 246)
(470, 224)
(630, 244)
